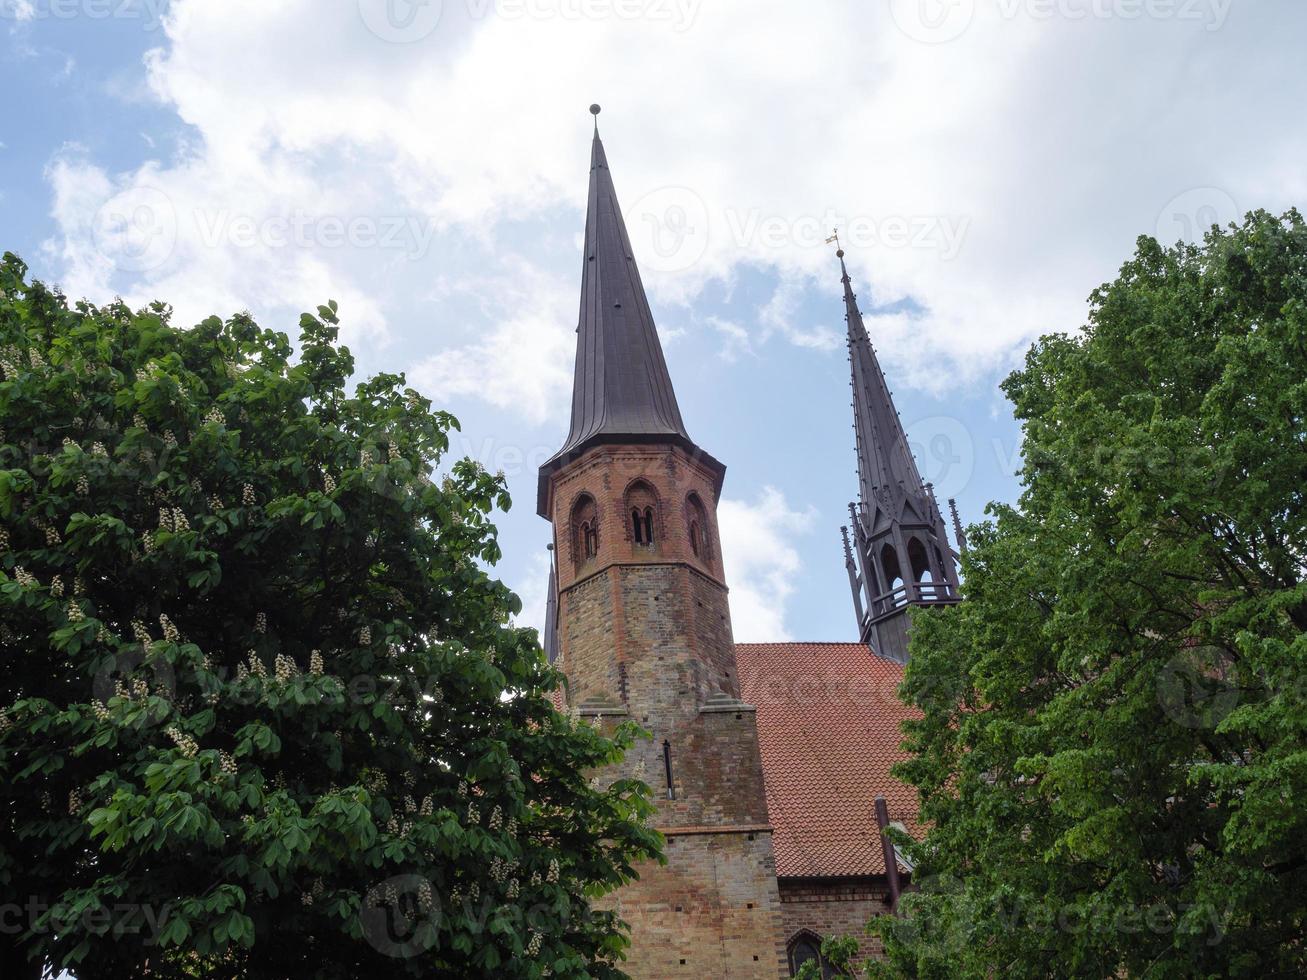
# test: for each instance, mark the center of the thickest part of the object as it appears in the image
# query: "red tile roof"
(828, 724)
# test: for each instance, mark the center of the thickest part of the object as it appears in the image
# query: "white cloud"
(779, 312)
(209, 242)
(523, 362)
(762, 563)
(735, 339)
(992, 180)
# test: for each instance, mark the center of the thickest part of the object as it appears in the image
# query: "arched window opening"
(917, 559)
(696, 519)
(889, 561)
(643, 507)
(805, 947)
(920, 563)
(585, 529)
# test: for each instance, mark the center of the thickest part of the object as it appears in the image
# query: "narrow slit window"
(648, 525)
(667, 768)
(694, 536)
(638, 525)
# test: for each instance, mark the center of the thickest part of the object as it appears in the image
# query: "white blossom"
(286, 668)
(170, 632)
(184, 742)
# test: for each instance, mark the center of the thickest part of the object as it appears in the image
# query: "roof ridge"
(803, 643)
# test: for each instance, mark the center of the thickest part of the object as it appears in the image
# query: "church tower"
(640, 626)
(899, 556)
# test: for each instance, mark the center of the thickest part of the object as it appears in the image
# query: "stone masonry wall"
(708, 913)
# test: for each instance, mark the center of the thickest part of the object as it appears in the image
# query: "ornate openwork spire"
(622, 391)
(885, 464)
(898, 532)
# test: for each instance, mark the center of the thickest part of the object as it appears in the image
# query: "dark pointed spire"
(885, 464)
(622, 391)
(898, 532)
(550, 641)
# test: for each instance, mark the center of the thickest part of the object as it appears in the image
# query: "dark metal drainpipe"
(887, 846)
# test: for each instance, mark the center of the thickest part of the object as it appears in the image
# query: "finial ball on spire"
(594, 108)
(839, 253)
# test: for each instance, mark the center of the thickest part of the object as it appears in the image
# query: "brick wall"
(708, 913)
(833, 908)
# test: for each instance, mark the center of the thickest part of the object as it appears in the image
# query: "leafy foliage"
(837, 954)
(264, 711)
(1113, 754)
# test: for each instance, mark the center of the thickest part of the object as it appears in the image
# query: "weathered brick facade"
(834, 907)
(645, 632)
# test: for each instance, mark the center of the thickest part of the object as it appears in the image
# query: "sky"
(424, 162)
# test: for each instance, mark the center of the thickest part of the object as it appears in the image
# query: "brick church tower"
(639, 623)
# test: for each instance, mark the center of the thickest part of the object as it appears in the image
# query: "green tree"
(264, 711)
(1113, 754)
(837, 954)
